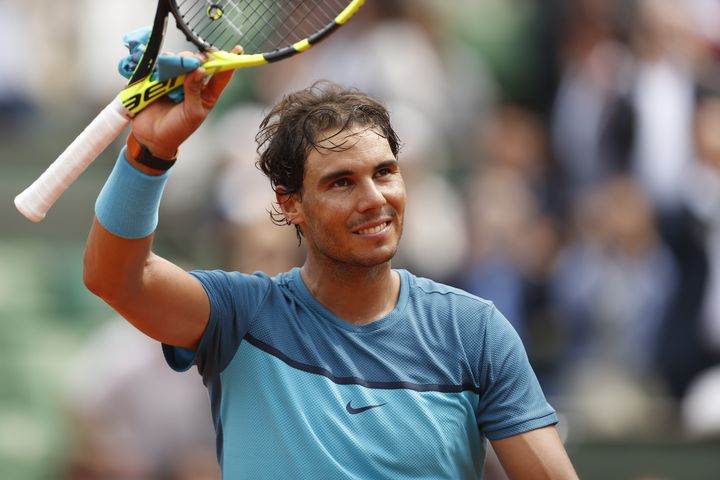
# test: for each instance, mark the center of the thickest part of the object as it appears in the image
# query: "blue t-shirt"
(296, 392)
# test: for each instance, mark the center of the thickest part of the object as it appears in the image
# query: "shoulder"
(464, 328)
(477, 322)
(466, 320)
(450, 300)
(245, 290)
(233, 280)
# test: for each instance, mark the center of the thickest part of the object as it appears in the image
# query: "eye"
(384, 172)
(340, 182)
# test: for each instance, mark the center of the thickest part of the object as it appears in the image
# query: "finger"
(215, 86)
(193, 89)
(195, 81)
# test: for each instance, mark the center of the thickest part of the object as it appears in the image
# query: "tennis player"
(344, 367)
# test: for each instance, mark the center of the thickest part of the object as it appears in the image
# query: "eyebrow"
(332, 176)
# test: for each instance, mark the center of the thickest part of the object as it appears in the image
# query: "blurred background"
(562, 159)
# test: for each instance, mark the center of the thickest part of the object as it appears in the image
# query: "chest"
(299, 414)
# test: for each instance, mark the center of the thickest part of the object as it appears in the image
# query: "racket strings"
(264, 29)
(260, 26)
(232, 22)
(273, 28)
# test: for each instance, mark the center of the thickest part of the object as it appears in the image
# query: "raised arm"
(156, 296)
(535, 455)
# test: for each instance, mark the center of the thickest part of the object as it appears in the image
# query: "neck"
(358, 295)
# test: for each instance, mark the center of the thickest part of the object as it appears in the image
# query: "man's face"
(352, 202)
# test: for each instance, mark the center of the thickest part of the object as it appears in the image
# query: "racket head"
(276, 29)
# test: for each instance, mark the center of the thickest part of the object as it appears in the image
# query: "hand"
(164, 125)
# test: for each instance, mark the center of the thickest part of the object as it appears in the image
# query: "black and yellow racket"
(268, 30)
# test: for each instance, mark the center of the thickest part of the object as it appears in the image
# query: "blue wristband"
(128, 203)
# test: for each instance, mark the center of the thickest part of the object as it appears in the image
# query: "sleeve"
(234, 300)
(511, 399)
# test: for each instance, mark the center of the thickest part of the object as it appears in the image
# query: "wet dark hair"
(304, 120)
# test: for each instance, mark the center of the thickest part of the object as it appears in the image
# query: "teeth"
(370, 231)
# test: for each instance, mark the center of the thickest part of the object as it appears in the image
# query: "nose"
(371, 197)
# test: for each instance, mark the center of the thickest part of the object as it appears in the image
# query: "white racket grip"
(35, 201)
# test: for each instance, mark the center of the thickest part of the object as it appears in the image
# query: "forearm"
(535, 455)
(113, 266)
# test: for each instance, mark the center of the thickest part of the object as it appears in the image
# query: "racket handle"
(35, 201)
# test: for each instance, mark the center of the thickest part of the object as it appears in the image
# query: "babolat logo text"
(148, 94)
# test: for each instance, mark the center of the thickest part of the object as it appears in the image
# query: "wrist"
(150, 162)
(128, 202)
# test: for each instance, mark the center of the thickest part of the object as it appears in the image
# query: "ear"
(290, 204)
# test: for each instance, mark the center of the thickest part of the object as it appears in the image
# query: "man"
(344, 368)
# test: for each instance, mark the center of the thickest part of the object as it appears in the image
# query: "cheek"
(397, 197)
(322, 215)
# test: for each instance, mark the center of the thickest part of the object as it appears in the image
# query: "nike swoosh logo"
(354, 411)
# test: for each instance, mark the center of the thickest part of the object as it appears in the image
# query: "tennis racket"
(268, 31)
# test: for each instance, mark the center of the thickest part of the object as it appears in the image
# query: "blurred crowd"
(562, 159)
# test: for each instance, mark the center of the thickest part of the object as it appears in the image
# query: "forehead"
(355, 147)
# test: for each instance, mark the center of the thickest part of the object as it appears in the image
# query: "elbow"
(96, 278)
(113, 279)
(92, 284)
(114, 268)
(91, 276)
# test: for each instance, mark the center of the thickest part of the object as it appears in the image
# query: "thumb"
(193, 88)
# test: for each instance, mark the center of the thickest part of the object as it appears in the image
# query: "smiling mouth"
(373, 230)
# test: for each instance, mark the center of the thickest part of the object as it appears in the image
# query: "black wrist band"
(141, 154)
